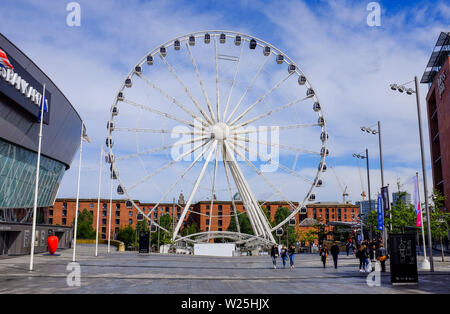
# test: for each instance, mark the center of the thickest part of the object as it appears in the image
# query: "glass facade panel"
(18, 175)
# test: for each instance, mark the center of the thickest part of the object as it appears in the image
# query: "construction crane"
(344, 190)
(363, 193)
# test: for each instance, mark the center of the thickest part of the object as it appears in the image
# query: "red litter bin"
(52, 242)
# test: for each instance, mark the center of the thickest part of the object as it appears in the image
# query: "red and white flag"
(4, 61)
(417, 203)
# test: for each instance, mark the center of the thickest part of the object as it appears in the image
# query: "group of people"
(284, 253)
(334, 250)
(368, 253)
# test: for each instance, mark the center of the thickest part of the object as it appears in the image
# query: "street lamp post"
(401, 88)
(371, 131)
(366, 157)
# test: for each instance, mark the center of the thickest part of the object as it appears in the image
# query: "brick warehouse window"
(104, 221)
(50, 212)
(130, 221)
(50, 221)
(118, 206)
(130, 213)
(117, 214)
(104, 206)
(117, 221)
(91, 205)
(64, 221)
(64, 212)
(104, 213)
(64, 205)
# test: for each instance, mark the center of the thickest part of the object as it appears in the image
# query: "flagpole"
(78, 196)
(110, 217)
(426, 263)
(98, 200)
(36, 188)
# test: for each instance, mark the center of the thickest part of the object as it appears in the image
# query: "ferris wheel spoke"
(208, 102)
(259, 173)
(246, 90)
(277, 163)
(166, 166)
(186, 89)
(230, 191)
(270, 112)
(194, 190)
(286, 147)
(217, 79)
(162, 131)
(162, 148)
(161, 113)
(232, 84)
(281, 127)
(213, 190)
(182, 176)
(276, 86)
(172, 99)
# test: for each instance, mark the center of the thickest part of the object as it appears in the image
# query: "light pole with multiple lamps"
(366, 157)
(374, 132)
(409, 91)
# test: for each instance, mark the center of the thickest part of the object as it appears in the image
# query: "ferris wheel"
(218, 114)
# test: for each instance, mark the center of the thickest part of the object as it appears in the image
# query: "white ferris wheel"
(215, 113)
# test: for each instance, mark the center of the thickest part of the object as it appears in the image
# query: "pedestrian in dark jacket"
(334, 250)
(381, 256)
(291, 253)
(323, 255)
(274, 254)
(362, 256)
(347, 247)
(372, 255)
(284, 255)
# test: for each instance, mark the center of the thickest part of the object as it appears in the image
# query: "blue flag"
(380, 224)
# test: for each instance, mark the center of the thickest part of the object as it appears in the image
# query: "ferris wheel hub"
(220, 131)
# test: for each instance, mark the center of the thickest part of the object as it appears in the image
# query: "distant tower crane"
(344, 190)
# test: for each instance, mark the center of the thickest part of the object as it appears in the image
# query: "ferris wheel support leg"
(212, 192)
(230, 191)
(194, 190)
(259, 217)
(238, 180)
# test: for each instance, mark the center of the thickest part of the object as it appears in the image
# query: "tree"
(307, 236)
(403, 215)
(127, 235)
(372, 223)
(141, 225)
(440, 220)
(281, 214)
(84, 225)
(244, 224)
(190, 229)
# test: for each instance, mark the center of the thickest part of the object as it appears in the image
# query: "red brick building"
(123, 213)
(437, 76)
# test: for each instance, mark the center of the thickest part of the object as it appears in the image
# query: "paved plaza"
(131, 272)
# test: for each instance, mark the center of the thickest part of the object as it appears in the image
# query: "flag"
(417, 203)
(4, 61)
(40, 108)
(85, 136)
(380, 218)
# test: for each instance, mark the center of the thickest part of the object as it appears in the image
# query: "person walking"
(381, 257)
(334, 250)
(274, 254)
(323, 255)
(291, 253)
(362, 256)
(372, 255)
(347, 247)
(284, 255)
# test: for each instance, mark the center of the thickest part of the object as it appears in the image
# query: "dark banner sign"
(23, 89)
(144, 242)
(385, 196)
(403, 260)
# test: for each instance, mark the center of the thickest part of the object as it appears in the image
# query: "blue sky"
(349, 64)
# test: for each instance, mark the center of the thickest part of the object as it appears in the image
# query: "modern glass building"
(21, 89)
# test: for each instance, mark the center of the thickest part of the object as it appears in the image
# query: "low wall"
(118, 244)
